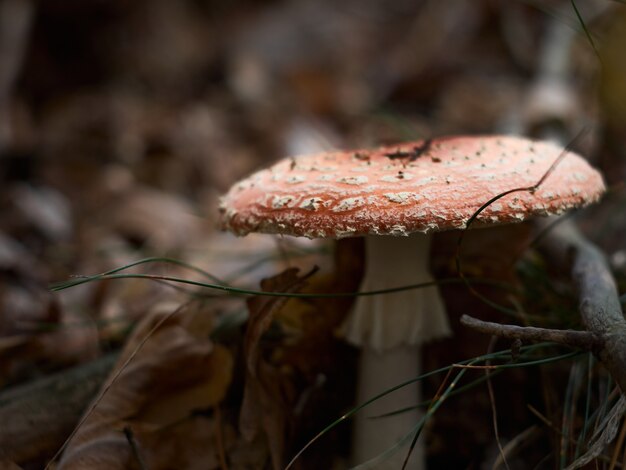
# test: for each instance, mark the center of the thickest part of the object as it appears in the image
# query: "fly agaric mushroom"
(395, 197)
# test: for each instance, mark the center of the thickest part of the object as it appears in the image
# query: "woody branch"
(599, 305)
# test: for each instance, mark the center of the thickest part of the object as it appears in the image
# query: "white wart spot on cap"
(392, 178)
(301, 167)
(243, 185)
(349, 204)
(280, 202)
(461, 224)
(398, 231)
(315, 233)
(295, 179)
(355, 180)
(424, 181)
(401, 198)
(222, 204)
(343, 233)
(311, 204)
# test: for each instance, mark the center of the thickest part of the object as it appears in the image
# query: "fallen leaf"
(5, 465)
(265, 399)
(263, 308)
(189, 444)
(158, 382)
(36, 329)
(167, 409)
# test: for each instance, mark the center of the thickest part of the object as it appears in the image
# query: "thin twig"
(578, 339)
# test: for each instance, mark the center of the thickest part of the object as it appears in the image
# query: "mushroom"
(396, 197)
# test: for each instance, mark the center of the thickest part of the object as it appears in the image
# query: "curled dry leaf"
(189, 444)
(267, 394)
(263, 308)
(267, 402)
(171, 407)
(155, 385)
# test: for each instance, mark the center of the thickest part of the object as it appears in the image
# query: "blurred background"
(121, 124)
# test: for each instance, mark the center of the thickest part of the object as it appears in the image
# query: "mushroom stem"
(390, 329)
(373, 436)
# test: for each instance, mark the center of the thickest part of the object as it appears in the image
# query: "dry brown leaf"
(267, 398)
(192, 444)
(9, 344)
(265, 394)
(169, 408)
(314, 323)
(35, 327)
(172, 374)
(5, 465)
(122, 304)
(263, 308)
(188, 445)
(40, 331)
(73, 339)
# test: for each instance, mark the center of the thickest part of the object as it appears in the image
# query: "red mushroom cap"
(418, 186)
